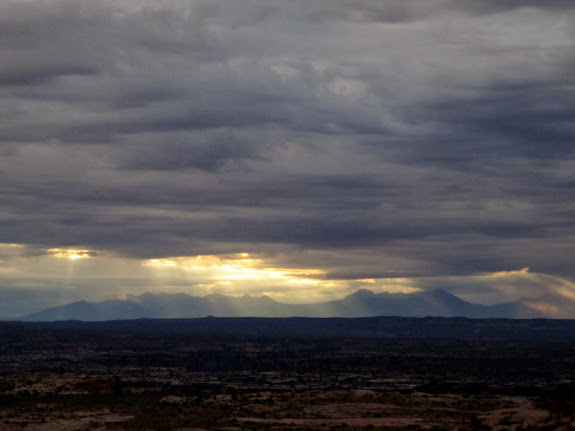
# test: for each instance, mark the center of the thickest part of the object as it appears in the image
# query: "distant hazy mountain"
(362, 303)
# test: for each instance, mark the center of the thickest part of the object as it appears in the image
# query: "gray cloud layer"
(409, 138)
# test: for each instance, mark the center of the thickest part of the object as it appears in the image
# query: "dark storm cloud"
(366, 11)
(16, 77)
(398, 11)
(411, 138)
(503, 122)
(495, 6)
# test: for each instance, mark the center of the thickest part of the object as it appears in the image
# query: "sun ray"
(71, 253)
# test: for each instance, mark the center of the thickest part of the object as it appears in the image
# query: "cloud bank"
(361, 139)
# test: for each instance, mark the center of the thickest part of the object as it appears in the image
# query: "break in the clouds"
(333, 141)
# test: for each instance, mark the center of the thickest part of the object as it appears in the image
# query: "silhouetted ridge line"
(363, 303)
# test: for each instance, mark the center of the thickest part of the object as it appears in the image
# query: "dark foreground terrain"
(288, 374)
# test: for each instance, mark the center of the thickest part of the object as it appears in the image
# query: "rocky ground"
(75, 381)
(45, 402)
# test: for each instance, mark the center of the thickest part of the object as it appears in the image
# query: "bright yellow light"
(235, 272)
(237, 267)
(159, 262)
(73, 254)
(304, 281)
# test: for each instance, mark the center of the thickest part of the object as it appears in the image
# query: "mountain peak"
(362, 303)
(267, 299)
(361, 294)
(442, 293)
(439, 291)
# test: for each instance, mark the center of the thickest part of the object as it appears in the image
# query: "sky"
(300, 149)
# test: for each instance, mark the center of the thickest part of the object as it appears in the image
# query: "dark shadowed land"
(457, 328)
(288, 374)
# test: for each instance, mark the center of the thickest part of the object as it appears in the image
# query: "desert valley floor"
(80, 377)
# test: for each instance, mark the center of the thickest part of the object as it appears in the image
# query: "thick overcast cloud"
(356, 138)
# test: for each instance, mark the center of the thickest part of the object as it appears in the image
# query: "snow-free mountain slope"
(362, 303)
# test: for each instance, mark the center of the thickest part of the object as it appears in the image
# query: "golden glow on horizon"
(160, 263)
(257, 274)
(548, 309)
(71, 253)
(238, 267)
(235, 274)
(507, 273)
(566, 291)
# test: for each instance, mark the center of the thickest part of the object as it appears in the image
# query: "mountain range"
(363, 303)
